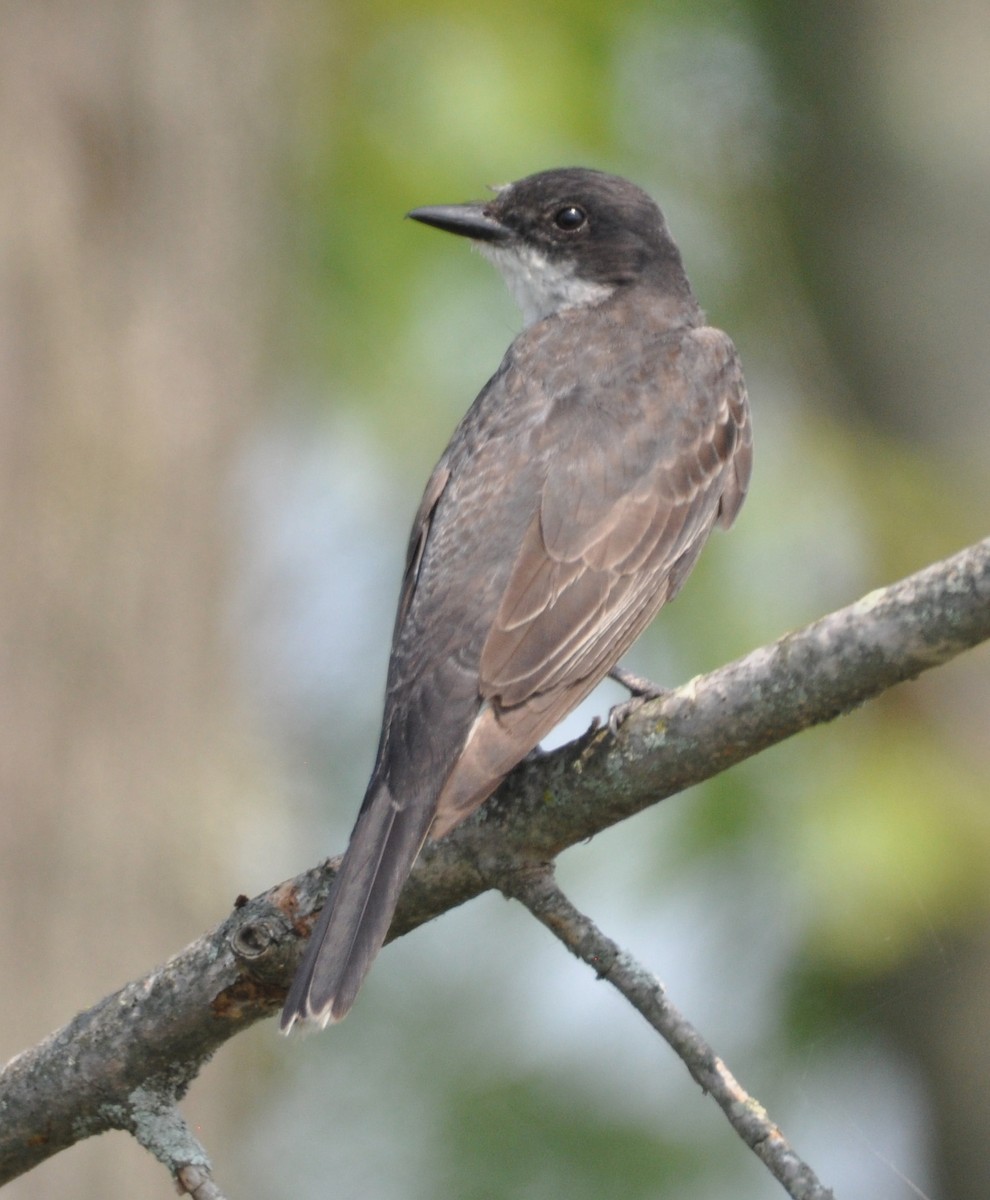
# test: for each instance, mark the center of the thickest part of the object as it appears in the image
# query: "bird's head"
(568, 237)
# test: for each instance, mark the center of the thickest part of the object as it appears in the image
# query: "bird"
(570, 505)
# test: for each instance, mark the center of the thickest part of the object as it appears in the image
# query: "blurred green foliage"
(548, 1141)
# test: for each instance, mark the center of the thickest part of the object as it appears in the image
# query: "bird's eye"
(570, 217)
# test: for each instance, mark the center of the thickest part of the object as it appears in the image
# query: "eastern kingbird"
(570, 505)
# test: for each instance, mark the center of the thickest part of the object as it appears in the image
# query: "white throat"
(541, 287)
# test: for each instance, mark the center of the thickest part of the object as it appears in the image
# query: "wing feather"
(624, 512)
(632, 481)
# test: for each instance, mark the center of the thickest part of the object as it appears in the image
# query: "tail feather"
(355, 920)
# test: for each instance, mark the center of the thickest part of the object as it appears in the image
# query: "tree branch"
(537, 890)
(155, 1034)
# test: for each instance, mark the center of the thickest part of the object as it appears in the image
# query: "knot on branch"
(262, 937)
(253, 941)
(262, 944)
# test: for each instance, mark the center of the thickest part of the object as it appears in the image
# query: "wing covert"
(626, 506)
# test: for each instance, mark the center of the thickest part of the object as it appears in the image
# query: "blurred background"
(226, 368)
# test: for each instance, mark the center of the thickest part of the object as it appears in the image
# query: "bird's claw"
(640, 689)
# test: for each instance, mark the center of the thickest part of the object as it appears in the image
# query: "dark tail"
(352, 927)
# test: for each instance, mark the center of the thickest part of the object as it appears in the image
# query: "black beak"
(469, 220)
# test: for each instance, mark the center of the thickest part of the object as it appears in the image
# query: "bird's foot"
(640, 690)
